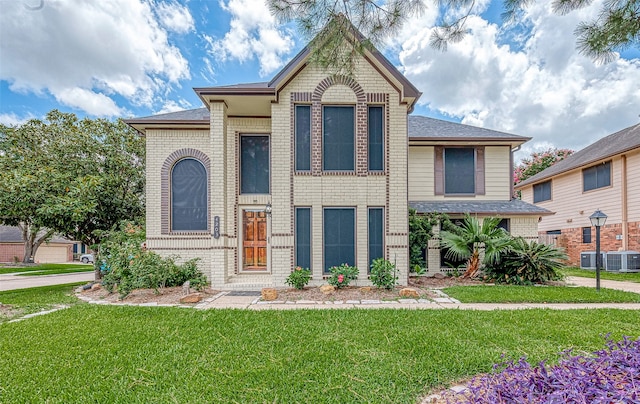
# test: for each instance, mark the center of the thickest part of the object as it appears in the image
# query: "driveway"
(11, 282)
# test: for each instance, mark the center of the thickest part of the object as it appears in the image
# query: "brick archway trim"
(165, 187)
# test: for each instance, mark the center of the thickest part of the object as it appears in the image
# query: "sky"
(132, 58)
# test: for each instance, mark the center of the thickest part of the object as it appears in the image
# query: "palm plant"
(465, 244)
(528, 263)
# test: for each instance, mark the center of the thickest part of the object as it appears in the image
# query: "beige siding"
(573, 207)
(497, 175)
(633, 186)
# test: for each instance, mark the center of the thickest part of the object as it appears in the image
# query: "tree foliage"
(537, 162)
(329, 22)
(69, 176)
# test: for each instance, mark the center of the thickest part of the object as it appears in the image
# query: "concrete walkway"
(604, 284)
(12, 281)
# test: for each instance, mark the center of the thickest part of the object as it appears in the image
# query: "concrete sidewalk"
(12, 282)
(604, 284)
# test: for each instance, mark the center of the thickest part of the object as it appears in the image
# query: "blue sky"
(124, 58)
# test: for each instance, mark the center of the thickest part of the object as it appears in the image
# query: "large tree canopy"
(69, 176)
(616, 28)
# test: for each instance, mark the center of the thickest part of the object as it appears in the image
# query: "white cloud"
(542, 88)
(12, 119)
(87, 53)
(173, 106)
(175, 17)
(253, 34)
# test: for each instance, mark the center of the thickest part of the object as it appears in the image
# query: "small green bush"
(127, 265)
(383, 274)
(527, 263)
(342, 275)
(299, 278)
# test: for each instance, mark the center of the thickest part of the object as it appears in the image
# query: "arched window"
(188, 196)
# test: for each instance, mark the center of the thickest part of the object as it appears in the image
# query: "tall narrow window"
(254, 164)
(339, 237)
(188, 196)
(459, 170)
(596, 177)
(505, 224)
(303, 237)
(376, 138)
(303, 137)
(586, 235)
(542, 192)
(376, 234)
(338, 138)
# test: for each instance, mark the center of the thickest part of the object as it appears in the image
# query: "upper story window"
(542, 192)
(188, 196)
(254, 164)
(338, 138)
(376, 138)
(303, 137)
(459, 170)
(595, 177)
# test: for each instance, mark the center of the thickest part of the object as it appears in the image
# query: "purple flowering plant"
(610, 375)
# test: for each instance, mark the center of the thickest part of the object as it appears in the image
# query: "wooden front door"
(254, 243)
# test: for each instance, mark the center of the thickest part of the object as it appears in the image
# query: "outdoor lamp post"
(598, 219)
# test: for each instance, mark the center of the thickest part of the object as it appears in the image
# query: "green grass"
(125, 354)
(31, 300)
(538, 294)
(611, 276)
(46, 269)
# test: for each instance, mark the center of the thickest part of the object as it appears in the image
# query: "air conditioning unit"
(588, 260)
(623, 261)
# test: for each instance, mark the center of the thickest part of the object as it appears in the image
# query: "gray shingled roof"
(12, 234)
(609, 146)
(198, 114)
(424, 128)
(512, 207)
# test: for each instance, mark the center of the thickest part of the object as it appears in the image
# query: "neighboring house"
(605, 176)
(457, 169)
(311, 169)
(57, 250)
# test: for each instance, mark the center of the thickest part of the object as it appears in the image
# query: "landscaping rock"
(269, 294)
(409, 292)
(191, 298)
(327, 289)
(439, 275)
(365, 289)
(96, 286)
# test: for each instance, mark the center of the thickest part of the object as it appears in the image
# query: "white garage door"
(51, 254)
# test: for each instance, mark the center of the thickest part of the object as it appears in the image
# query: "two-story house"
(312, 169)
(605, 176)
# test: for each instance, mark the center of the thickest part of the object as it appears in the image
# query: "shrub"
(342, 275)
(383, 274)
(128, 266)
(299, 278)
(609, 376)
(527, 263)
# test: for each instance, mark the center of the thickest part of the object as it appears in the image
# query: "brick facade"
(610, 240)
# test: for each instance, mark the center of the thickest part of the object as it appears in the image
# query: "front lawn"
(611, 276)
(123, 354)
(46, 269)
(538, 294)
(26, 301)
